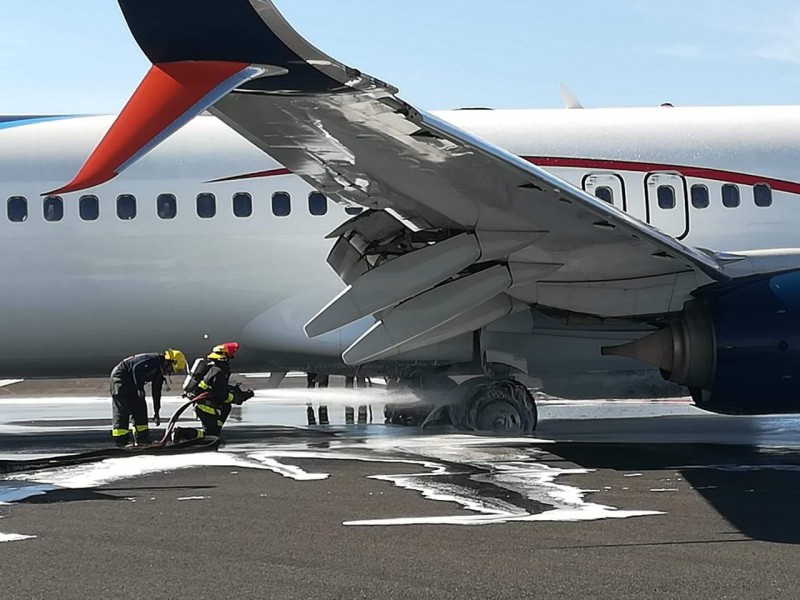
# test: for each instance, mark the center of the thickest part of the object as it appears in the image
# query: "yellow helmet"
(177, 358)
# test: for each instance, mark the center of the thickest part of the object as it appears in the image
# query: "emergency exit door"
(667, 204)
(608, 187)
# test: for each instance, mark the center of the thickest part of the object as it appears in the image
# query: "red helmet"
(227, 350)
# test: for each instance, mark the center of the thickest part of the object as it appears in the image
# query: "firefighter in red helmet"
(209, 384)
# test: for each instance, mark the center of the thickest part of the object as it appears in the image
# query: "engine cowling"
(736, 348)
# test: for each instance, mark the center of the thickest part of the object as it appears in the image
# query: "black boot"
(185, 434)
(120, 441)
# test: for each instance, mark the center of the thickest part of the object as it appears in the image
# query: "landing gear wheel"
(490, 405)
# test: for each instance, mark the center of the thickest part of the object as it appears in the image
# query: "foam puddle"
(492, 480)
(536, 495)
(15, 537)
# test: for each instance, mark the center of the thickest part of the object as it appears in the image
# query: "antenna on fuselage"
(570, 101)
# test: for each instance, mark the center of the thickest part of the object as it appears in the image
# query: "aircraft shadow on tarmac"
(70, 495)
(58, 496)
(756, 489)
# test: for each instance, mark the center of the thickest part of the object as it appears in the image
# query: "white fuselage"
(77, 295)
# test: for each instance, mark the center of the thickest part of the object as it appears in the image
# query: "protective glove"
(240, 395)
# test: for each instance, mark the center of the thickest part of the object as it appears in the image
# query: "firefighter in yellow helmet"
(128, 379)
(209, 385)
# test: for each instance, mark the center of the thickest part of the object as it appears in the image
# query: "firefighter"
(209, 384)
(128, 379)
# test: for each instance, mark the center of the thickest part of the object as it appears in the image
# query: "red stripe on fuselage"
(270, 173)
(595, 164)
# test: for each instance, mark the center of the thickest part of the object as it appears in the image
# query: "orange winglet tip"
(170, 95)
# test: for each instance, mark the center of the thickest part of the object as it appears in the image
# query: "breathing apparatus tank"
(195, 376)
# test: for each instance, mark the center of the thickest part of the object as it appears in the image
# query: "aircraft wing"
(458, 232)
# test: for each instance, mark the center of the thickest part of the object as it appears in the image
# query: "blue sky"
(78, 57)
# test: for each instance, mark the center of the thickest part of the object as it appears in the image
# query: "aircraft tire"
(492, 405)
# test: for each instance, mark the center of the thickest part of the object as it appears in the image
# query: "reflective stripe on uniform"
(220, 423)
(203, 385)
(142, 428)
(229, 399)
(119, 432)
(207, 409)
(201, 434)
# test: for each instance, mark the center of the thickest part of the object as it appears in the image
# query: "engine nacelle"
(737, 348)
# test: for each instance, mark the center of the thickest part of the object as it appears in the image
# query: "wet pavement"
(620, 499)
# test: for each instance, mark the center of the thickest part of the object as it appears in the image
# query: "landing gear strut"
(484, 404)
(428, 390)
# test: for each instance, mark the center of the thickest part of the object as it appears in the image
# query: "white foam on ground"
(534, 481)
(193, 498)
(114, 469)
(290, 471)
(23, 485)
(508, 468)
(438, 462)
(15, 537)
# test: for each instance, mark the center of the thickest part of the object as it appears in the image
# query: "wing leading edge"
(456, 227)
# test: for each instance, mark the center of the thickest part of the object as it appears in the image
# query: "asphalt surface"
(370, 511)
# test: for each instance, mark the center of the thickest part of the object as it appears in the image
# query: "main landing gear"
(483, 404)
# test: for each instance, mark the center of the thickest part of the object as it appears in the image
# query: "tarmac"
(615, 499)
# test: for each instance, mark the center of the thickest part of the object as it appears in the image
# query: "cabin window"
(166, 206)
(53, 208)
(762, 195)
(317, 204)
(89, 208)
(206, 206)
(242, 205)
(17, 209)
(605, 193)
(730, 196)
(126, 207)
(666, 197)
(281, 204)
(353, 210)
(700, 198)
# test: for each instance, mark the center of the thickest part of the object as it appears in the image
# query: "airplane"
(591, 248)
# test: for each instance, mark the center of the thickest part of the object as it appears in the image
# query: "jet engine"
(737, 347)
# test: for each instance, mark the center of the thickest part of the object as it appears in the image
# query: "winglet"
(570, 101)
(169, 97)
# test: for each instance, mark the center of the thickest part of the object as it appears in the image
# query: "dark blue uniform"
(213, 407)
(127, 394)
